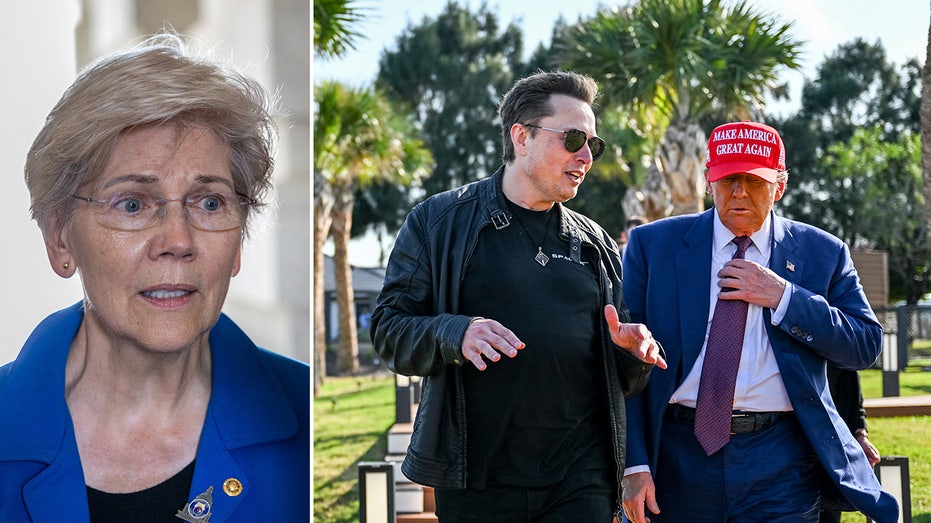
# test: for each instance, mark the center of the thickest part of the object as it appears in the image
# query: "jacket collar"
(35, 383)
(494, 207)
(247, 403)
(247, 406)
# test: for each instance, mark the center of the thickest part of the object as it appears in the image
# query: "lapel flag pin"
(790, 266)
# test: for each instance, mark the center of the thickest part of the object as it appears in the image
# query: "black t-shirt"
(157, 504)
(532, 417)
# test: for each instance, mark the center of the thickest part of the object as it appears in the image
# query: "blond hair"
(157, 82)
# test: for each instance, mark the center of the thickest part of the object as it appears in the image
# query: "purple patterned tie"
(719, 371)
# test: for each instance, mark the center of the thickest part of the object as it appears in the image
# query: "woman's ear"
(237, 263)
(58, 247)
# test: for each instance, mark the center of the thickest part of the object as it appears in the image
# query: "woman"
(143, 402)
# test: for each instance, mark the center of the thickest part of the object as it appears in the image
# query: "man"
(629, 225)
(511, 306)
(758, 443)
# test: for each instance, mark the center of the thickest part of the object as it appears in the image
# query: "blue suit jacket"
(667, 270)
(257, 430)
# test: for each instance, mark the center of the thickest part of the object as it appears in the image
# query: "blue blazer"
(257, 430)
(667, 271)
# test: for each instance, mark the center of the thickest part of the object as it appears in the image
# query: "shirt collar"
(722, 236)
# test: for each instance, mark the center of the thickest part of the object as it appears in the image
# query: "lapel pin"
(232, 487)
(790, 266)
(198, 509)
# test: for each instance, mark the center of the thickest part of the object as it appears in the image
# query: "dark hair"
(529, 101)
(161, 81)
(634, 221)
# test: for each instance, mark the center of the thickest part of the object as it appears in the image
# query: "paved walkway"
(898, 406)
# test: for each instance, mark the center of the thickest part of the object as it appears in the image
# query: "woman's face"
(160, 288)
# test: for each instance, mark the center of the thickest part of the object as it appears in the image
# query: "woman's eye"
(211, 203)
(130, 204)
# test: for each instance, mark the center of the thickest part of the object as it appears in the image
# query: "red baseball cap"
(745, 147)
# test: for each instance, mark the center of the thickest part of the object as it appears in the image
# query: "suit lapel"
(59, 489)
(693, 278)
(783, 260)
(215, 467)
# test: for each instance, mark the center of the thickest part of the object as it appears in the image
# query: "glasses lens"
(575, 139)
(597, 145)
(220, 211)
(214, 211)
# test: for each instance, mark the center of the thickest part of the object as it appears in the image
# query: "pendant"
(541, 258)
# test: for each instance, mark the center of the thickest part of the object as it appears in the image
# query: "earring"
(66, 265)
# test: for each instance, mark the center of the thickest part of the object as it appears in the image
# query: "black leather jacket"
(417, 330)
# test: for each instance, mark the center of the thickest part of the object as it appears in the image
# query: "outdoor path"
(898, 406)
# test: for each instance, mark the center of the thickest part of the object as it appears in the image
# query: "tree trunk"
(653, 200)
(682, 159)
(925, 115)
(323, 204)
(347, 355)
(675, 182)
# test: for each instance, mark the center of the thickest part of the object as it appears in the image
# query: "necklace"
(540, 258)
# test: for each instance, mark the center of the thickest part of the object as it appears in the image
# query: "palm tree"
(335, 33)
(677, 62)
(335, 23)
(357, 138)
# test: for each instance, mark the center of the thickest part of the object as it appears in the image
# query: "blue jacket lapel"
(693, 278)
(783, 260)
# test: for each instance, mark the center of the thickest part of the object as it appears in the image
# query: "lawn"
(351, 421)
(352, 417)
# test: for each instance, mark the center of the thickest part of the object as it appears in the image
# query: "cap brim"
(719, 171)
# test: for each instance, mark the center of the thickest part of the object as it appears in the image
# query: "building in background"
(46, 42)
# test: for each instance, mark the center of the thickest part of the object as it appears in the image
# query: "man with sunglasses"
(509, 304)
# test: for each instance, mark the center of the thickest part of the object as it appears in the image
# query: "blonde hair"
(157, 82)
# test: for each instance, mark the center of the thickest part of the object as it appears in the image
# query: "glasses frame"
(595, 144)
(244, 201)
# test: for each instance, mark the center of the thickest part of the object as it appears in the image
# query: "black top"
(157, 504)
(532, 417)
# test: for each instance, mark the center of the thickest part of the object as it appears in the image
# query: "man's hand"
(751, 282)
(872, 453)
(638, 491)
(490, 339)
(635, 338)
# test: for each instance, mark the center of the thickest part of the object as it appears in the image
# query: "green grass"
(351, 421)
(912, 382)
(352, 417)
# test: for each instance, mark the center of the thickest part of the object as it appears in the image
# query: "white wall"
(270, 296)
(38, 46)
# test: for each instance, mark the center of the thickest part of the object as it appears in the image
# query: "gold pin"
(232, 487)
(790, 266)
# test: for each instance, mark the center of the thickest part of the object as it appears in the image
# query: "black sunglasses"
(576, 138)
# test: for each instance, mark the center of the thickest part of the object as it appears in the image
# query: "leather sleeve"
(406, 330)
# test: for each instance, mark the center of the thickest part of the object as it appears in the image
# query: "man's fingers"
(488, 339)
(611, 316)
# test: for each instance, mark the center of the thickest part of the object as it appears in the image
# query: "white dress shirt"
(759, 384)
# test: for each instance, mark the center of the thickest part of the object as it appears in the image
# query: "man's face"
(547, 172)
(743, 201)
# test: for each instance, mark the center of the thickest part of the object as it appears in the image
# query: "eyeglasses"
(214, 211)
(576, 138)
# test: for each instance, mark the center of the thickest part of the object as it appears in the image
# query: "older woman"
(143, 402)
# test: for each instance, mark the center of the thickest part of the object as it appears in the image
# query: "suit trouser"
(767, 476)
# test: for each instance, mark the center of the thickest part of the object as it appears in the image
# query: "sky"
(900, 25)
